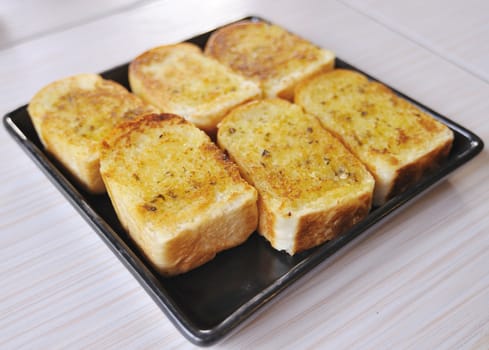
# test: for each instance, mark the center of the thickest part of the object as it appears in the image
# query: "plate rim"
(139, 268)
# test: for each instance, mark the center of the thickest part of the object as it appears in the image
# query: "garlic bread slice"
(397, 141)
(269, 55)
(311, 188)
(179, 79)
(175, 192)
(73, 115)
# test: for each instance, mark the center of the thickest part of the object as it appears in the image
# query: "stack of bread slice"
(300, 173)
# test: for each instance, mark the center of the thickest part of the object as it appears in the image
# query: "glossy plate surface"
(208, 303)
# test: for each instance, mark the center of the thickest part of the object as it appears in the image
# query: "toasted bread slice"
(179, 197)
(269, 55)
(180, 79)
(73, 115)
(398, 142)
(311, 188)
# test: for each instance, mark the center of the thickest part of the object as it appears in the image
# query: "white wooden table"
(419, 281)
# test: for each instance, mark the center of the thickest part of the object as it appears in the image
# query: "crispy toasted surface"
(269, 55)
(180, 79)
(176, 193)
(74, 114)
(398, 142)
(311, 188)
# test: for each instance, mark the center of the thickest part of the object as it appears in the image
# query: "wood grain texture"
(455, 30)
(24, 20)
(420, 280)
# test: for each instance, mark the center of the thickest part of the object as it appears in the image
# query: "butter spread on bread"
(269, 55)
(175, 192)
(73, 115)
(311, 188)
(397, 141)
(180, 79)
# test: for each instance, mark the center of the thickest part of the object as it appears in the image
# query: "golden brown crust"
(194, 248)
(397, 141)
(411, 173)
(269, 55)
(180, 79)
(181, 200)
(86, 173)
(318, 227)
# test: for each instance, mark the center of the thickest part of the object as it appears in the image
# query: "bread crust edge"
(411, 173)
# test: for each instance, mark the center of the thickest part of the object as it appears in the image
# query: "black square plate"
(206, 304)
